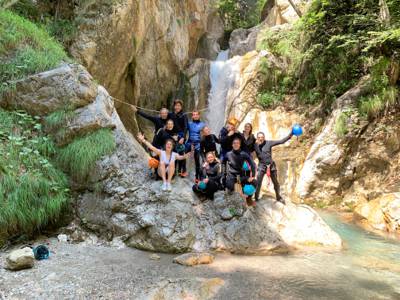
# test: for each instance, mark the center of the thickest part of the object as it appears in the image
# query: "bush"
(33, 192)
(240, 14)
(79, 157)
(24, 49)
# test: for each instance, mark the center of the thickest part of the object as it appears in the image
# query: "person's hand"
(140, 137)
(175, 137)
(181, 141)
(250, 179)
(205, 165)
(205, 180)
(134, 108)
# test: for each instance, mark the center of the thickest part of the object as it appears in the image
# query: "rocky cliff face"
(139, 49)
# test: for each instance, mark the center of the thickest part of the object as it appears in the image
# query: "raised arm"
(281, 141)
(216, 139)
(146, 116)
(149, 145)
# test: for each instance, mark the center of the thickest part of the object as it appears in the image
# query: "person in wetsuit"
(266, 164)
(210, 175)
(235, 171)
(181, 125)
(208, 143)
(164, 134)
(249, 138)
(195, 128)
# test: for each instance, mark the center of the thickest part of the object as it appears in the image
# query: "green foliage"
(33, 191)
(79, 157)
(240, 13)
(332, 47)
(341, 125)
(24, 49)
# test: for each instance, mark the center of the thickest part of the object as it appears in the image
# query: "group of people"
(232, 168)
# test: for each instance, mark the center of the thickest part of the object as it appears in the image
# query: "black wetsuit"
(162, 136)
(157, 121)
(235, 161)
(264, 154)
(181, 125)
(250, 141)
(213, 173)
(208, 144)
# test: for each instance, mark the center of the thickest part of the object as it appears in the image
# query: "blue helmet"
(297, 130)
(249, 189)
(202, 185)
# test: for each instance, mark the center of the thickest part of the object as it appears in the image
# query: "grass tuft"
(33, 191)
(25, 49)
(79, 157)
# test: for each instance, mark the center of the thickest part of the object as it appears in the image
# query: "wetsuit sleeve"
(147, 117)
(281, 141)
(257, 149)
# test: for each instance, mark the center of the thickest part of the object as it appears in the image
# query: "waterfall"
(224, 73)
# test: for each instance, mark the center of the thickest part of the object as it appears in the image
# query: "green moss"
(79, 157)
(24, 49)
(341, 125)
(33, 191)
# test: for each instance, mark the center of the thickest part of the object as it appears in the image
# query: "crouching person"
(166, 167)
(210, 177)
(240, 172)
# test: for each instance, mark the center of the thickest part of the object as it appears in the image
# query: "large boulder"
(20, 259)
(68, 86)
(382, 213)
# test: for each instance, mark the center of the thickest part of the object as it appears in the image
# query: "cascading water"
(224, 73)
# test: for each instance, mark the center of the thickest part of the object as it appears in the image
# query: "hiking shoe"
(164, 187)
(169, 187)
(281, 200)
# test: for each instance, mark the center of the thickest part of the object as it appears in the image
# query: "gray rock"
(20, 259)
(62, 238)
(243, 41)
(69, 85)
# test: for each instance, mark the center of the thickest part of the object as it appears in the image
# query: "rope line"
(152, 110)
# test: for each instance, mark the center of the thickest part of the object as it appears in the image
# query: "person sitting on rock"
(208, 143)
(181, 125)
(158, 121)
(266, 165)
(166, 168)
(210, 177)
(236, 174)
(168, 132)
(249, 139)
(195, 128)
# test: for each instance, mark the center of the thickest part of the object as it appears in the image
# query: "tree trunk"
(384, 14)
(295, 8)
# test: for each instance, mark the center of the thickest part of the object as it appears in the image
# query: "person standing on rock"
(208, 143)
(249, 138)
(266, 165)
(158, 121)
(226, 136)
(181, 125)
(195, 128)
(210, 177)
(236, 160)
(166, 168)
